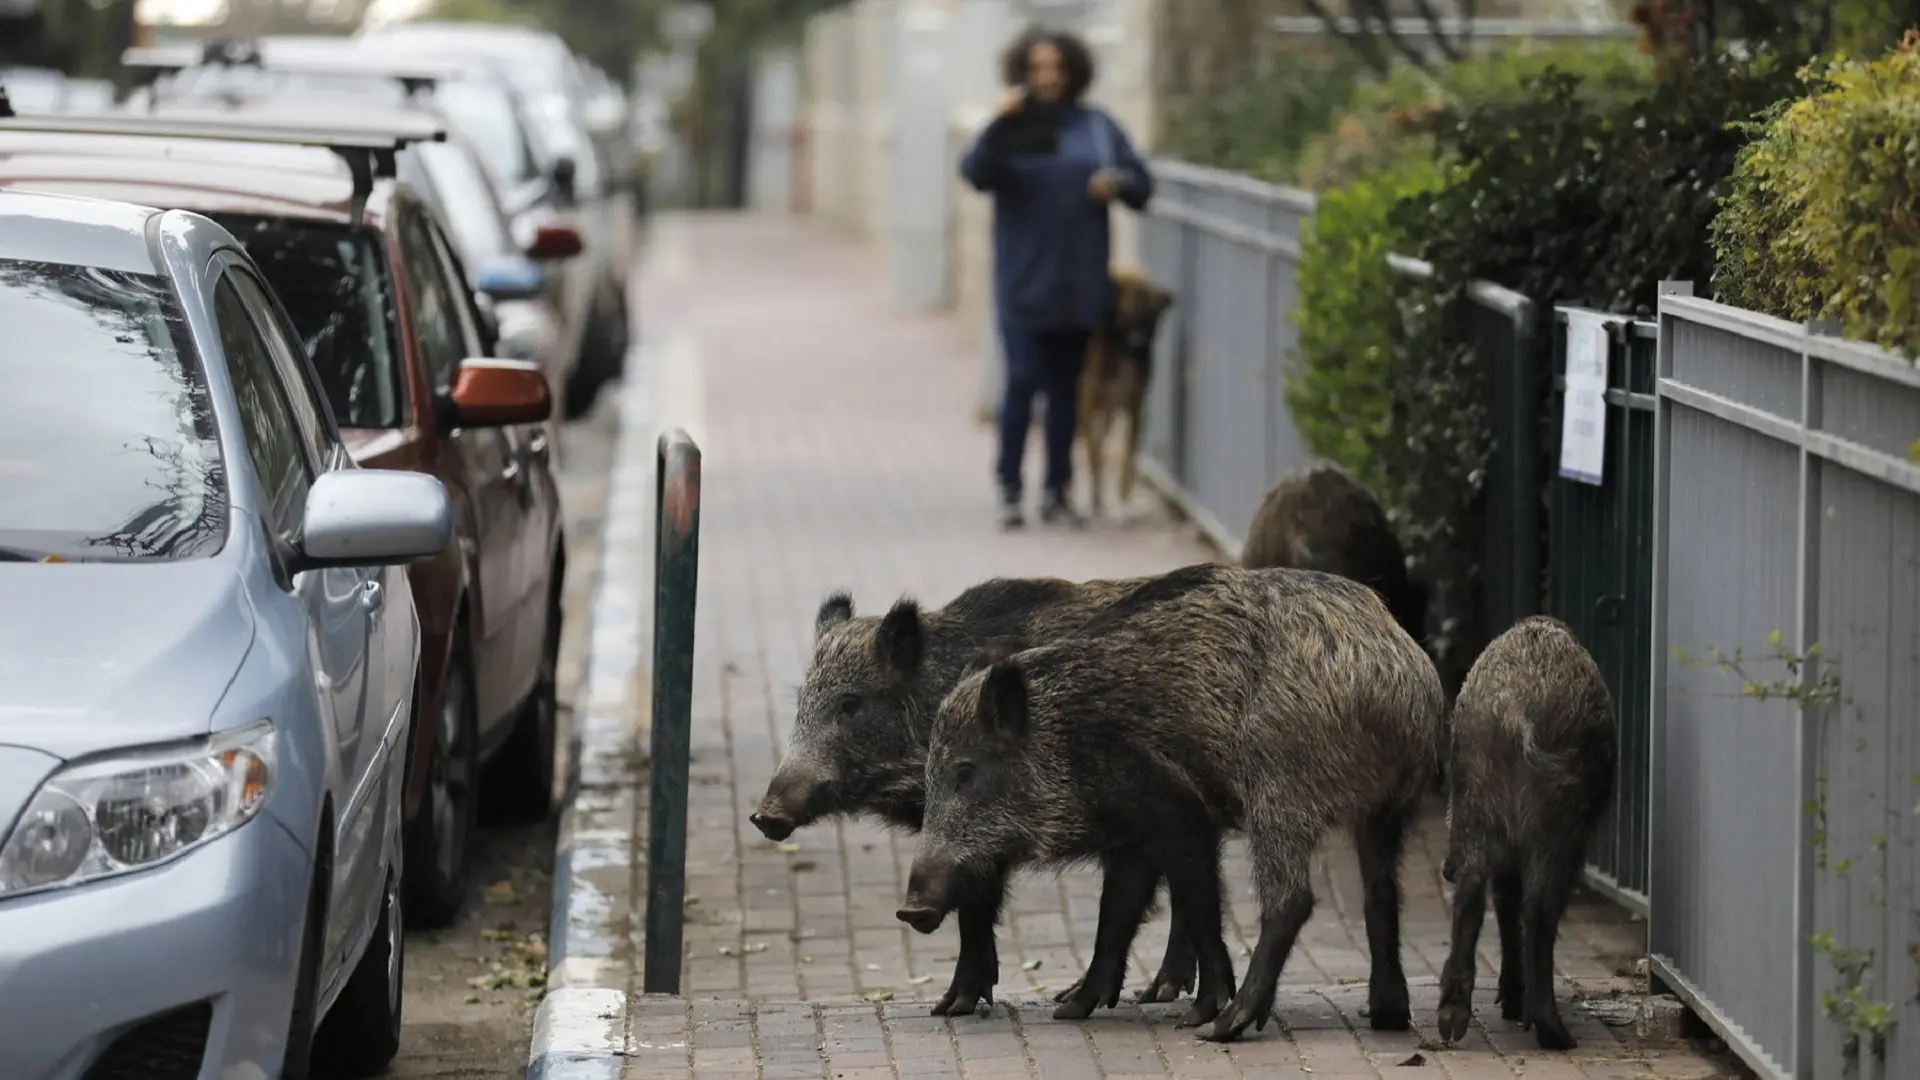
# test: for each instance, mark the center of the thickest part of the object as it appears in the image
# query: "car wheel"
(519, 783)
(306, 988)
(361, 1033)
(440, 843)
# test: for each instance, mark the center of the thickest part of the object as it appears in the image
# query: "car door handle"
(537, 445)
(510, 470)
(372, 597)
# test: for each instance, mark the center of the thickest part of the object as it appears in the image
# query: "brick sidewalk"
(838, 453)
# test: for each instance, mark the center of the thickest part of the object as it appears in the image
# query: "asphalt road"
(472, 988)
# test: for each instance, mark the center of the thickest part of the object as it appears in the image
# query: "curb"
(580, 1029)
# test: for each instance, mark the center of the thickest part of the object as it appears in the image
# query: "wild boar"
(1533, 755)
(865, 711)
(1322, 518)
(1281, 703)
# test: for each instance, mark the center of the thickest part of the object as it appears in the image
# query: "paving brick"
(839, 453)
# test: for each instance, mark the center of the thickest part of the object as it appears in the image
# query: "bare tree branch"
(1377, 10)
(1428, 13)
(1363, 46)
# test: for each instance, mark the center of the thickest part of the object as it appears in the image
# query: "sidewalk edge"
(580, 1028)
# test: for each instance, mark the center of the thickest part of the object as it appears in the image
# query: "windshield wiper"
(10, 554)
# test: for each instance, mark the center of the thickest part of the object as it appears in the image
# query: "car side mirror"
(562, 177)
(508, 277)
(373, 517)
(555, 242)
(488, 392)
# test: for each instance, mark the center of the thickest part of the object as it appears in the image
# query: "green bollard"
(676, 564)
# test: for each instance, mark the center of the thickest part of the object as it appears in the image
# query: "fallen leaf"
(920, 980)
(1031, 965)
(801, 866)
(1417, 1059)
(727, 950)
(757, 947)
(788, 849)
(873, 967)
(500, 892)
(880, 995)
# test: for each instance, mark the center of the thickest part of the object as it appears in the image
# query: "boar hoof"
(1454, 1018)
(1165, 987)
(1509, 1002)
(1088, 996)
(1200, 1012)
(1552, 1034)
(1068, 992)
(1390, 1011)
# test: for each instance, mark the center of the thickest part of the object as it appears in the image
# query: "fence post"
(676, 562)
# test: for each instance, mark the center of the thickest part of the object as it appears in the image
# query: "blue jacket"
(1051, 241)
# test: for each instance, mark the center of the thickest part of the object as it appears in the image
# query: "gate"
(1600, 582)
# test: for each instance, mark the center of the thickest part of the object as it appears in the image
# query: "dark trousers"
(1045, 362)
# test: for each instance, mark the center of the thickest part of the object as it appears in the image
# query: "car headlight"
(131, 811)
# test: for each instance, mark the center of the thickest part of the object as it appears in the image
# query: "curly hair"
(1075, 58)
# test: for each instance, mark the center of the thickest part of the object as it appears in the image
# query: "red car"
(368, 278)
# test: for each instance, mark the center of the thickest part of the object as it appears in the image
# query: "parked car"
(582, 183)
(208, 657)
(381, 304)
(536, 182)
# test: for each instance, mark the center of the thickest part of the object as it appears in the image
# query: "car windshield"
(486, 116)
(335, 287)
(470, 207)
(108, 448)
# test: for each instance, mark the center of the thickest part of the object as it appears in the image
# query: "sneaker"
(1010, 515)
(1056, 510)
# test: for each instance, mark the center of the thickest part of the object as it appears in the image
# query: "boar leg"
(978, 969)
(1131, 881)
(1506, 908)
(1549, 883)
(1379, 840)
(1456, 979)
(1193, 879)
(1176, 968)
(1281, 859)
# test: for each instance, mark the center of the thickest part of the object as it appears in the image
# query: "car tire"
(361, 1033)
(306, 988)
(440, 840)
(519, 783)
(602, 355)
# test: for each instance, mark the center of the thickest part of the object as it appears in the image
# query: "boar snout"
(793, 797)
(929, 890)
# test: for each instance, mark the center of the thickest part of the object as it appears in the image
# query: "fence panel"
(1786, 511)
(1600, 582)
(1217, 240)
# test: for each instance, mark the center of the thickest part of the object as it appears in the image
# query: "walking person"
(1053, 165)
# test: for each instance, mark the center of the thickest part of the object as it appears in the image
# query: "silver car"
(207, 657)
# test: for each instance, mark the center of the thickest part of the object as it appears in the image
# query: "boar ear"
(834, 610)
(901, 642)
(1003, 699)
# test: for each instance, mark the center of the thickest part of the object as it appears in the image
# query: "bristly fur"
(870, 759)
(1534, 748)
(1280, 703)
(1321, 518)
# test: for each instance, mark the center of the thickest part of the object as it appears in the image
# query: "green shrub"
(1823, 220)
(1338, 387)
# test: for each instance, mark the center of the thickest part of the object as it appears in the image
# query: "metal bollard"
(676, 564)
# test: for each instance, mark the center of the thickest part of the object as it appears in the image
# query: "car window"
(488, 117)
(273, 437)
(436, 319)
(108, 447)
(335, 284)
(454, 274)
(467, 201)
(309, 412)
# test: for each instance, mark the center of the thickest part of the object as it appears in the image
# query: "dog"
(1114, 382)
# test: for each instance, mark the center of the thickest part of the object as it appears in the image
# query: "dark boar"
(1280, 703)
(865, 711)
(1323, 519)
(1533, 759)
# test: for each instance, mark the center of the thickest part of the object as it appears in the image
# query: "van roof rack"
(149, 62)
(369, 151)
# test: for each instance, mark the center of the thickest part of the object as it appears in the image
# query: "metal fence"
(1600, 582)
(1783, 795)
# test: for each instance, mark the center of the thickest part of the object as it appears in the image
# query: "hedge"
(1823, 220)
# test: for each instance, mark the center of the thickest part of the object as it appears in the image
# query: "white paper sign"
(1583, 425)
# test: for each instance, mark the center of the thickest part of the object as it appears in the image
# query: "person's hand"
(1104, 185)
(1010, 101)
